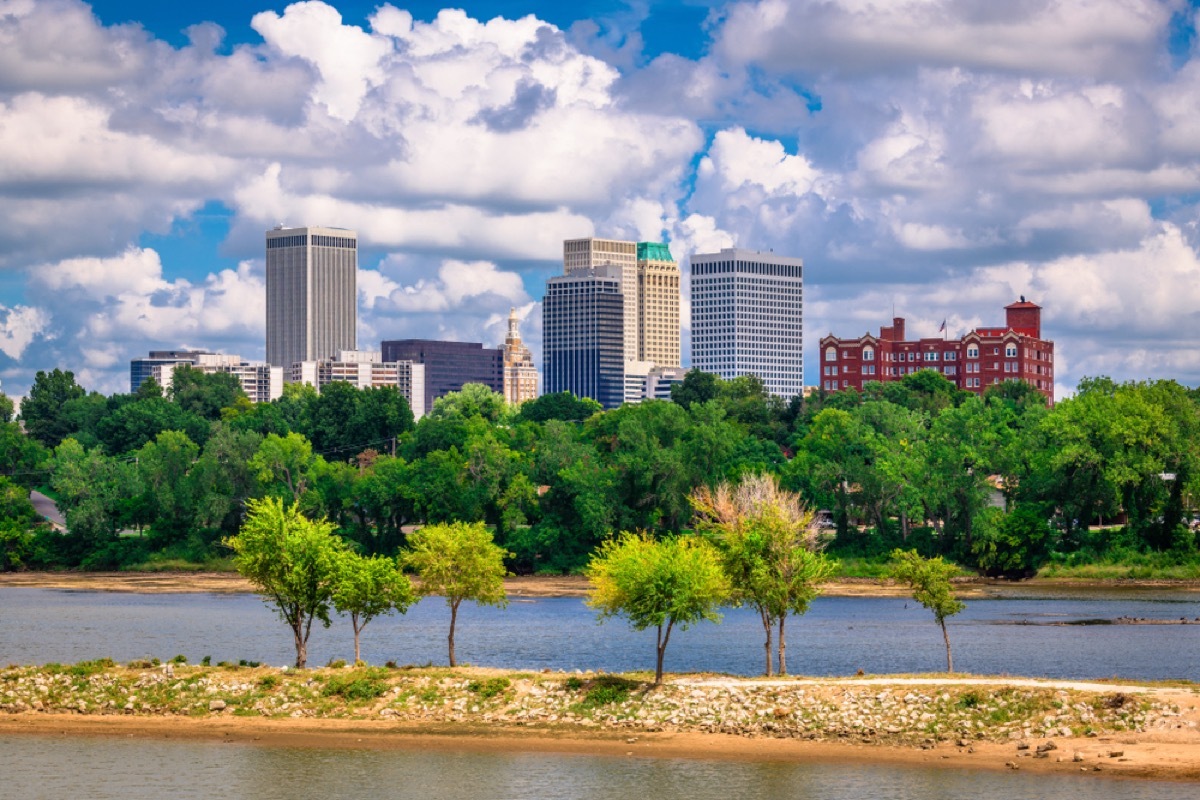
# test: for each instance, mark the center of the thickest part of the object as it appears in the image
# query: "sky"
(935, 159)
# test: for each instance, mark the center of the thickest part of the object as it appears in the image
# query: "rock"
(1116, 753)
(216, 705)
(1022, 745)
(1046, 747)
(1077, 757)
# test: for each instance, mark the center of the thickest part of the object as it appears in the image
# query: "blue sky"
(936, 156)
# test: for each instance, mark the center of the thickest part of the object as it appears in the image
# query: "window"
(868, 354)
(951, 356)
(1010, 351)
(831, 354)
(973, 351)
(931, 356)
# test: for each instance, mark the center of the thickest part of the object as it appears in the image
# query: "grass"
(158, 563)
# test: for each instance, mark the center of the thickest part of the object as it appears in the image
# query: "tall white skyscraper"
(312, 294)
(747, 317)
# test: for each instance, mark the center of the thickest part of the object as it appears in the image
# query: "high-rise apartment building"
(583, 334)
(747, 317)
(449, 365)
(366, 369)
(261, 382)
(657, 305)
(520, 375)
(312, 294)
(581, 256)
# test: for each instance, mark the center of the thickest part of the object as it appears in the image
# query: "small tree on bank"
(367, 588)
(929, 579)
(769, 551)
(293, 561)
(460, 562)
(659, 584)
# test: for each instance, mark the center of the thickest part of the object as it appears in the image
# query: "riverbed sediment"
(1134, 730)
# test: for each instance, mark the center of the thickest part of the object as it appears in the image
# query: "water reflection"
(37, 767)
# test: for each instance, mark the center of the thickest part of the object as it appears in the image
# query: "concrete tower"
(312, 294)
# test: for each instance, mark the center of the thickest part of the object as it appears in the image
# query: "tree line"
(998, 484)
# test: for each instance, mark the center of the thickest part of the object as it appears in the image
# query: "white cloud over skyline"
(936, 156)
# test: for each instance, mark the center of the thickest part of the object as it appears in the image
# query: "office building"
(261, 382)
(449, 365)
(520, 375)
(365, 369)
(981, 358)
(747, 317)
(657, 305)
(312, 300)
(620, 258)
(583, 334)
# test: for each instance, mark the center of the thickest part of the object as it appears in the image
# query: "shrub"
(85, 668)
(356, 685)
(606, 690)
(489, 688)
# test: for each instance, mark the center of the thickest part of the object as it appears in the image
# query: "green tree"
(677, 581)
(41, 409)
(697, 387)
(473, 400)
(1012, 545)
(283, 465)
(768, 548)
(293, 562)
(558, 405)
(17, 520)
(7, 409)
(458, 561)
(367, 588)
(204, 393)
(929, 579)
(21, 456)
(164, 466)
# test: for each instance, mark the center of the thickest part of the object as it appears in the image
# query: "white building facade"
(747, 317)
(261, 382)
(365, 369)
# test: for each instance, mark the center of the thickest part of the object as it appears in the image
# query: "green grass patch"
(490, 688)
(605, 690)
(363, 684)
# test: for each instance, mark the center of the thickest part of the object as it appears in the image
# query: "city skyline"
(915, 171)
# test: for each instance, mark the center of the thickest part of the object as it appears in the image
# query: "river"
(1020, 634)
(50, 767)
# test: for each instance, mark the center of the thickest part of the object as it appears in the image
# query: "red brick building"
(983, 357)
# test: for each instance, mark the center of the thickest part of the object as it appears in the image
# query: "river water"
(34, 768)
(1019, 634)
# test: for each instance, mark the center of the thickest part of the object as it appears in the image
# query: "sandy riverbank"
(530, 586)
(1157, 757)
(1105, 730)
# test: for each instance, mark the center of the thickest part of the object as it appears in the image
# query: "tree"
(460, 562)
(659, 584)
(203, 393)
(294, 563)
(697, 387)
(768, 548)
(368, 587)
(558, 405)
(282, 464)
(473, 400)
(40, 411)
(929, 579)
(6, 409)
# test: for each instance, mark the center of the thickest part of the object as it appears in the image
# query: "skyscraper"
(520, 375)
(312, 294)
(583, 334)
(747, 315)
(581, 256)
(657, 305)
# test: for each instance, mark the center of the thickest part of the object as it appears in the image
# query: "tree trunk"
(782, 647)
(301, 645)
(453, 619)
(903, 526)
(766, 621)
(663, 638)
(357, 631)
(949, 658)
